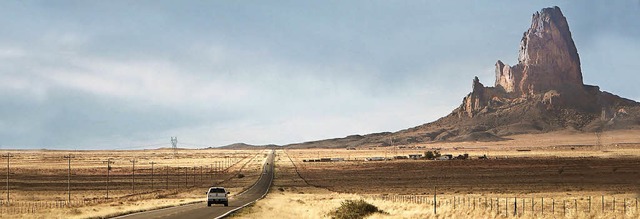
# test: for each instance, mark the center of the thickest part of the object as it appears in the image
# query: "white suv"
(217, 195)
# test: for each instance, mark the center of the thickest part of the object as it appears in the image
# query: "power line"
(69, 177)
(108, 162)
(8, 156)
(152, 163)
(133, 176)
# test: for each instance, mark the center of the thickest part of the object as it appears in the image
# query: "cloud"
(117, 75)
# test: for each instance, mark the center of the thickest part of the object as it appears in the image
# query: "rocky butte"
(543, 92)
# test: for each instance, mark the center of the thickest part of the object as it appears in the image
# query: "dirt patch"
(518, 175)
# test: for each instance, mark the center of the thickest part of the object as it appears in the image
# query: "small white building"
(374, 159)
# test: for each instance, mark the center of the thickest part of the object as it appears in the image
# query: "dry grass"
(39, 180)
(308, 202)
(564, 167)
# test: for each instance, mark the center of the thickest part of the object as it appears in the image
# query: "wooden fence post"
(515, 206)
(454, 202)
(435, 208)
(533, 205)
(506, 207)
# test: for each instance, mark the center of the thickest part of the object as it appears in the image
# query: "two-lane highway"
(200, 210)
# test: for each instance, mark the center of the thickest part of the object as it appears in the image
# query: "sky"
(131, 74)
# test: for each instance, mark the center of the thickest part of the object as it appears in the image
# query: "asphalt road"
(200, 210)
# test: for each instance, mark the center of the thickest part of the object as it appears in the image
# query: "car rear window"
(216, 190)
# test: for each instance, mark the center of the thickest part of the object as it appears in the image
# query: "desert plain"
(564, 174)
(568, 174)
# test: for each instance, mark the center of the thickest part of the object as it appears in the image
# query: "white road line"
(261, 197)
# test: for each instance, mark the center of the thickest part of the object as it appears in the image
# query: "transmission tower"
(174, 145)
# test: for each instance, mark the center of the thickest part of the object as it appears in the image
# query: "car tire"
(226, 204)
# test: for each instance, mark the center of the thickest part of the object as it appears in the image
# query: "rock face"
(474, 102)
(547, 60)
(548, 70)
(543, 92)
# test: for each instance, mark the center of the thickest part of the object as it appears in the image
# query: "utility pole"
(133, 176)
(69, 177)
(166, 175)
(152, 163)
(8, 156)
(186, 179)
(108, 162)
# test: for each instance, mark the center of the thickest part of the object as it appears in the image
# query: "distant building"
(374, 159)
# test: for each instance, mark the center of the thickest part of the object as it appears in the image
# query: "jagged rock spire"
(547, 60)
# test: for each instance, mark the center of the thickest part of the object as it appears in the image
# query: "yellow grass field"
(564, 175)
(38, 180)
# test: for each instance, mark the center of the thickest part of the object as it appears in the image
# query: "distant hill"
(544, 92)
(243, 146)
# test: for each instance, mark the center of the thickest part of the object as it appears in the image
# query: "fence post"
(515, 206)
(575, 205)
(614, 205)
(564, 208)
(553, 206)
(490, 204)
(485, 202)
(542, 205)
(435, 192)
(454, 202)
(602, 201)
(589, 204)
(625, 206)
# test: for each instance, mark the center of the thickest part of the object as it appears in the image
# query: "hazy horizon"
(123, 75)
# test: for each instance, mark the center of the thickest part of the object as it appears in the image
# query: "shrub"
(351, 209)
(429, 155)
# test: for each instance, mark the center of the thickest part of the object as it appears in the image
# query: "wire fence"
(106, 185)
(523, 206)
